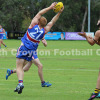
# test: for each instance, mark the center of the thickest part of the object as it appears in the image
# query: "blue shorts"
(25, 53)
(1, 36)
(34, 56)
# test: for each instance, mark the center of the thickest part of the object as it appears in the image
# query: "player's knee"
(26, 69)
(40, 66)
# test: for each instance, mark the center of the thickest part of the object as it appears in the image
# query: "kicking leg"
(26, 67)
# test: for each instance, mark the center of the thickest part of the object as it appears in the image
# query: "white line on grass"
(62, 69)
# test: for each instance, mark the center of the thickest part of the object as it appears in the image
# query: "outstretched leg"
(26, 67)
(3, 43)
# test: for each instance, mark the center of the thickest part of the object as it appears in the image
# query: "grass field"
(73, 77)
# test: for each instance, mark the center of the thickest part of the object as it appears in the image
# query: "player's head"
(0, 26)
(42, 21)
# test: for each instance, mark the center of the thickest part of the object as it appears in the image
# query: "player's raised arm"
(53, 21)
(40, 13)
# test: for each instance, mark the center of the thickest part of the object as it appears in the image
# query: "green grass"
(72, 77)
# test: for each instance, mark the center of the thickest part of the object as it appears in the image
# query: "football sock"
(97, 90)
(20, 81)
(43, 82)
(11, 71)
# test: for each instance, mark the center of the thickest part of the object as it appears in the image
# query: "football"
(58, 7)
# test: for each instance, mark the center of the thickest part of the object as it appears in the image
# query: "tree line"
(16, 15)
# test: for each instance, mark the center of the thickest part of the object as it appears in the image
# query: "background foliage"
(16, 15)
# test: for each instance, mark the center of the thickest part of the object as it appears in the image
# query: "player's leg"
(40, 72)
(19, 68)
(0, 43)
(3, 43)
(97, 90)
(9, 72)
(25, 68)
(40, 68)
(1, 37)
(20, 74)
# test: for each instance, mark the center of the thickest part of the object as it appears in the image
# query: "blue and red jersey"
(32, 37)
(1, 31)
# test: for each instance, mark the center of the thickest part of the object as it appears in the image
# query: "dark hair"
(98, 25)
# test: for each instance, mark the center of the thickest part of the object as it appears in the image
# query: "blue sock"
(5, 45)
(0, 47)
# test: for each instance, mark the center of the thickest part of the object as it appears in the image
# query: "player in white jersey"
(2, 31)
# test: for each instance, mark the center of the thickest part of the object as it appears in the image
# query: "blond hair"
(43, 21)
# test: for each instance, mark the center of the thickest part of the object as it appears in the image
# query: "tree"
(15, 15)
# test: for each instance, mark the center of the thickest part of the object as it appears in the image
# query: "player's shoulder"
(33, 26)
(98, 31)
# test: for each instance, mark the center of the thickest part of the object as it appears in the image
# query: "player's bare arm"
(91, 40)
(97, 37)
(53, 21)
(40, 13)
(5, 33)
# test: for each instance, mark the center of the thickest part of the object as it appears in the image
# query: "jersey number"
(32, 34)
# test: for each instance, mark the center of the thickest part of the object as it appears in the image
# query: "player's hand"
(44, 42)
(61, 10)
(52, 6)
(98, 22)
(82, 34)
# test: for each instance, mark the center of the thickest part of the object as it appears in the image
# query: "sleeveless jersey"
(1, 31)
(32, 37)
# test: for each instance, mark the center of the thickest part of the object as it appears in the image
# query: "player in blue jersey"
(36, 61)
(36, 31)
(2, 31)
